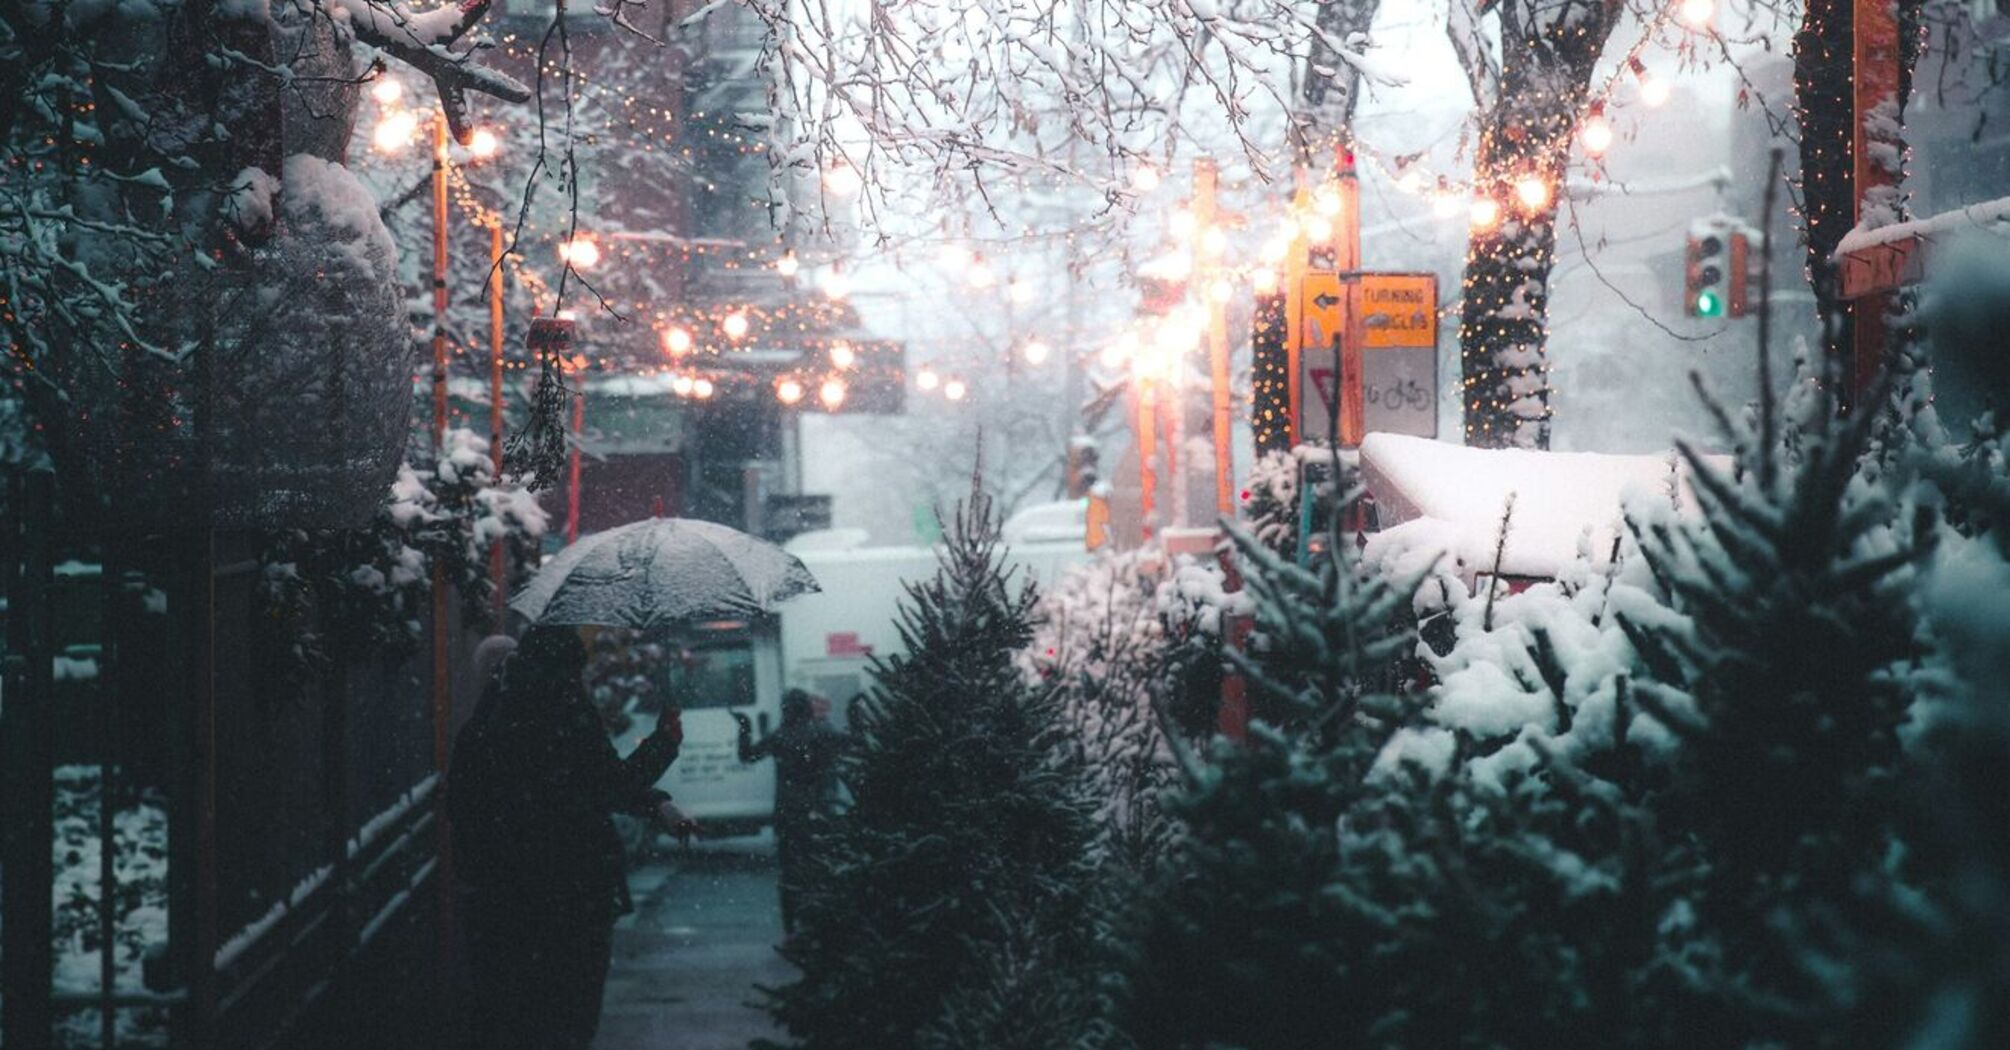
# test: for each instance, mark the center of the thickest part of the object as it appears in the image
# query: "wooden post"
(1347, 260)
(1206, 184)
(443, 701)
(1296, 264)
(498, 566)
(1148, 454)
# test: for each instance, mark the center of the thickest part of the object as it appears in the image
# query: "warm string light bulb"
(926, 379)
(1264, 280)
(580, 253)
(1533, 191)
(1036, 352)
(980, 274)
(387, 90)
(677, 341)
(1596, 134)
(835, 284)
(831, 393)
(1654, 91)
(734, 325)
(955, 389)
(843, 356)
(1144, 178)
(1486, 213)
(842, 179)
(788, 391)
(1696, 13)
(396, 131)
(788, 264)
(702, 388)
(483, 144)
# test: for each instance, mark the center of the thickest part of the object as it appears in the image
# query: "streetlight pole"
(442, 692)
(498, 569)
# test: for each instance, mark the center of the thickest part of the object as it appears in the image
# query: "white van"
(715, 670)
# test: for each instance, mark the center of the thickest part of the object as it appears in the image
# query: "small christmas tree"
(967, 838)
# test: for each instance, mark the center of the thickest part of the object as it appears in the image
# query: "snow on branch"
(425, 41)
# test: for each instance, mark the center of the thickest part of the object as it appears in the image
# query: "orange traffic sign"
(1399, 310)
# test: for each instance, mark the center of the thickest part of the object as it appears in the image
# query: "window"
(710, 674)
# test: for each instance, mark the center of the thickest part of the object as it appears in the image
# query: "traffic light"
(1707, 291)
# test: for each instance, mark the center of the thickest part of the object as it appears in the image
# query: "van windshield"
(710, 674)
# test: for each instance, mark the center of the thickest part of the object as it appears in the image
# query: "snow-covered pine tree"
(967, 836)
(1783, 679)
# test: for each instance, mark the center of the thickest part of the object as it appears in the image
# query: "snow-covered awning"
(1460, 495)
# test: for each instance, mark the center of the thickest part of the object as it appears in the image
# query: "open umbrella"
(659, 572)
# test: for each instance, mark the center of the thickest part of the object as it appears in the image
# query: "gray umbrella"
(659, 572)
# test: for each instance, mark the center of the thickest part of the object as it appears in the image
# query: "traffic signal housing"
(1717, 273)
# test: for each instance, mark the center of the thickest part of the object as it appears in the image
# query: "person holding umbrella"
(530, 796)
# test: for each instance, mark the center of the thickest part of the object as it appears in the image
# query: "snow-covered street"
(686, 961)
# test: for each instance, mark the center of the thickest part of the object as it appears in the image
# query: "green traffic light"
(1708, 304)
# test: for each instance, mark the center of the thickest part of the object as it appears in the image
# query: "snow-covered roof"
(1558, 496)
(1058, 522)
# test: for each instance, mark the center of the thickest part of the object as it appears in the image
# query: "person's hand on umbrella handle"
(741, 720)
(680, 823)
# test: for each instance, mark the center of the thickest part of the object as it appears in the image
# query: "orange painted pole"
(498, 566)
(573, 469)
(1148, 455)
(442, 691)
(1347, 260)
(1296, 264)
(1206, 182)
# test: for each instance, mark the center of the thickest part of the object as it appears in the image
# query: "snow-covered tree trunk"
(1324, 113)
(1548, 51)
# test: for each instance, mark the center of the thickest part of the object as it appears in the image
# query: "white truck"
(821, 643)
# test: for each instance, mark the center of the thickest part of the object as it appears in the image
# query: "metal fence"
(273, 845)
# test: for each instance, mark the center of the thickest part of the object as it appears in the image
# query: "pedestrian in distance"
(530, 798)
(805, 749)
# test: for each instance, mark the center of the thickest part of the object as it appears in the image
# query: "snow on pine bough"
(659, 573)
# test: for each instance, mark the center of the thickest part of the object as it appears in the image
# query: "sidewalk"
(686, 962)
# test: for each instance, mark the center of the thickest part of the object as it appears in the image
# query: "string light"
(1318, 229)
(734, 325)
(954, 389)
(483, 144)
(1327, 202)
(1533, 192)
(1447, 206)
(682, 386)
(1486, 213)
(1596, 134)
(677, 340)
(843, 356)
(835, 284)
(1697, 13)
(580, 253)
(1220, 290)
(1213, 242)
(396, 131)
(788, 391)
(842, 179)
(1036, 352)
(1264, 279)
(702, 388)
(1184, 224)
(831, 393)
(1654, 91)
(953, 258)
(1144, 178)
(980, 274)
(926, 379)
(788, 264)
(1019, 291)
(387, 90)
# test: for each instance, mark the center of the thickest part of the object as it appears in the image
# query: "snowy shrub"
(331, 595)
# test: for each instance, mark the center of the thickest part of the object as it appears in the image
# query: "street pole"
(1147, 431)
(1295, 266)
(573, 467)
(1347, 260)
(442, 694)
(498, 570)
(1206, 179)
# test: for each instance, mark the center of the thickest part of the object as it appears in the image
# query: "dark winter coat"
(533, 786)
(805, 751)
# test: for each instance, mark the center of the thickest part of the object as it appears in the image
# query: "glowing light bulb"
(387, 91)
(842, 179)
(1697, 13)
(1184, 224)
(1117, 353)
(580, 253)
(681, 386)
(831, 393)
(701, 388)
(1486, 213)
(1213, 242)
(1446, 206)
(1264, 279)
(1597, 136)
(1036, 352)
(788, 264)
(1533, 191)
(788, 391)
(395, 131)
(1275, 249)
(1144, 178)
(953, 258)
(1220, 290)
(677, 340)
(483, 144)
(955, 389)
(980, 274)
(1654, 92)
(1319, 229)
(1019, 291)
(734, 325)
(1410, 181)
(1327, 201)
(835, 284)
(926, 379)
(843, 356)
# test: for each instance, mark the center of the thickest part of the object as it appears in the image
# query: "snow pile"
(1559, 498)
